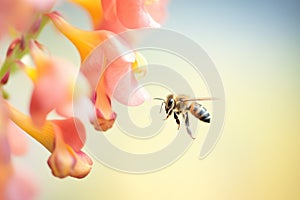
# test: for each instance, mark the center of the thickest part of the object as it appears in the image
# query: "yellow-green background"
(255, 46)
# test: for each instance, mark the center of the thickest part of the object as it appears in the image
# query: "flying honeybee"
(182, 104)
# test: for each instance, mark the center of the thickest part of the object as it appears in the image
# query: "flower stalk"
(20, 46)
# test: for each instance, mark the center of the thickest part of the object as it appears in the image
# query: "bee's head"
(170, 103)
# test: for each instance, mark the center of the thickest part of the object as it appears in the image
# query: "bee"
(182, 104)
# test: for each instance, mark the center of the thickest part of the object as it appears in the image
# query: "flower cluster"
(54, 79)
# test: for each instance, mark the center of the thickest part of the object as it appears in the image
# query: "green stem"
(19, 53)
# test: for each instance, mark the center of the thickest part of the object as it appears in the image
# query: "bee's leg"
(168, 115)
(177, 120)
(187, 125)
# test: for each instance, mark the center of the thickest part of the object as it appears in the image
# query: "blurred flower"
(105, 69)
(39, 5)
(119, 15)
(14, 182)
(19, 15)
(54, 81)
(21, 185)
(63, 138)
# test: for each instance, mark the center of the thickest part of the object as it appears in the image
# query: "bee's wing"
(187, 125)
(199, 99)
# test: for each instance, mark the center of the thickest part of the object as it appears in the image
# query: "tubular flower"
(85, 41)
(109, 74)
(53, 80)
(13, 183)
(63, 138)
(119, 15)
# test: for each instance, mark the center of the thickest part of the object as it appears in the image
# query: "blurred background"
(255, 46)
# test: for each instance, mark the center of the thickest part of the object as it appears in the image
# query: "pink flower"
(103, 71)
(114, 80)
(19, 15)
(54, 81)
(63, 138)
(39, 5)
(67, 159)
(119, 15)
(21, 185)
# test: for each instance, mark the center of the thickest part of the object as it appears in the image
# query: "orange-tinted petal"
(63, 138)
(103, 101)
(94, 8)
(44, 135)
(4, 116)
(85, 41)
(68, 160)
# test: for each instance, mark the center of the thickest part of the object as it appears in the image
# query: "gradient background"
(255, 46)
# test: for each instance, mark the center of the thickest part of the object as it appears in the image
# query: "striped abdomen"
(199, 112)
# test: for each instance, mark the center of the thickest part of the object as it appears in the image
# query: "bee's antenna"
(201, 99)
(159, 99)
(161, 103)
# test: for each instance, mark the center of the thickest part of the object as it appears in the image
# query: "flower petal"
(63, 138)
(65, 160)
(103, 101)
(94, 69)
(21, 185)
(16, 15)
(4, 116)
(17, 139)
(109, 9)
(45, 98)
(85, 41)
(41, 5)
(72, 132)
(157, 9)
(111, 21)
(121, 83)
(4, 154)
(139, 66)
(102, 124)
(53, 86)
(104, 54)
(133, 15)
